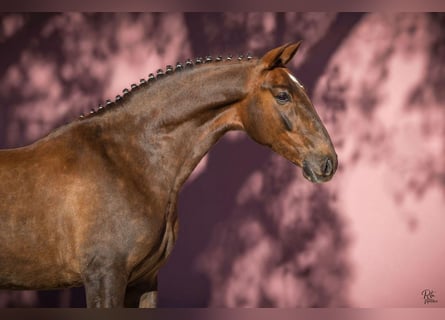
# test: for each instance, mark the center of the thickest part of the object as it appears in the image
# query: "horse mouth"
(324, 171)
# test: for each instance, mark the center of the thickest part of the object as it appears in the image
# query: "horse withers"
(94, 202)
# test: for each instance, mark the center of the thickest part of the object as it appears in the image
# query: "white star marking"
(291, 76)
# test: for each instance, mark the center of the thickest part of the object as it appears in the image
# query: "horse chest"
(144, 233)
(153, 252)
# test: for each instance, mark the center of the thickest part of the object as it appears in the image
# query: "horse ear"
(280, 56)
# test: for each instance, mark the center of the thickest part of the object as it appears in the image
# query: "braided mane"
(169, 70)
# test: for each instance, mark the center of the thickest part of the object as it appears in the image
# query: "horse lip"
(310, 175)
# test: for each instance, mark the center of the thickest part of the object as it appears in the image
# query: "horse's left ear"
(280, 56)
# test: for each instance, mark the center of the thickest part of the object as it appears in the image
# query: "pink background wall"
(253, 232)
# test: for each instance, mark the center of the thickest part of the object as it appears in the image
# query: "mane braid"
(169, 70)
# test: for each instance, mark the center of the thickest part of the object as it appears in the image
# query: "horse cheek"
(255, 124)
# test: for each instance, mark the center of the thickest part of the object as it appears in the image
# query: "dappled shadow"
(392, 99)
(202, 205)
(57, 66)
(282, 246)
(75, 61)
(253, 232)
(69, 63)
(389, 137)
(202, 264)
(430, 94)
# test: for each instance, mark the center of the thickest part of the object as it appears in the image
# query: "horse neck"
(170, 125)
(187, 95)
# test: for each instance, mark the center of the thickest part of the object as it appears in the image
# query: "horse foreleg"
(142, 296)
(149, 300)
(105, 288)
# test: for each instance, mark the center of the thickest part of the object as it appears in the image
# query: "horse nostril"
(327, 167)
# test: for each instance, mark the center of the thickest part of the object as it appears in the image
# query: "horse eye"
(282, 97)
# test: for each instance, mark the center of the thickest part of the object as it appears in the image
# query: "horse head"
(279, 114)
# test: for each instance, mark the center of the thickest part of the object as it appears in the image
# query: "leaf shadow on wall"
(211, 221)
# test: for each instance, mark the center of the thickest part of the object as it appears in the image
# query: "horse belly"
(36, 276)
(147, 268)
(37, 243)
(33, 256)
(28, 265)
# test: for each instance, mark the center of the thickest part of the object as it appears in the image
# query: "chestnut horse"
(94, 202)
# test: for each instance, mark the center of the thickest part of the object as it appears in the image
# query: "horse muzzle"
(320, 170)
